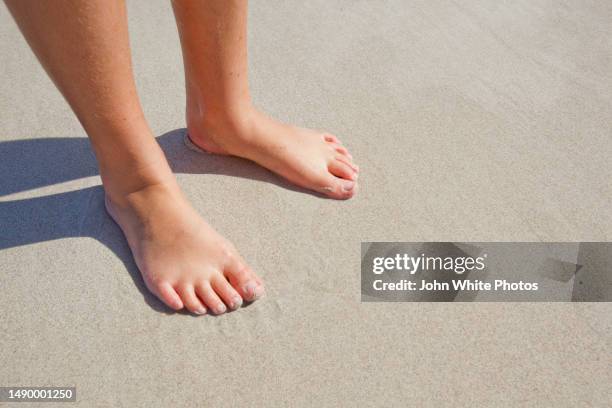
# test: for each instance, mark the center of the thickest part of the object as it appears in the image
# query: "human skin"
(221, 118)
(83, 46)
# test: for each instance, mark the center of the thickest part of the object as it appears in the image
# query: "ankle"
(122, 184)
(219, 119)
(141, 200)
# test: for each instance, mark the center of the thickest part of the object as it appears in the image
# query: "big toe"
(244, 280)
(339, 188)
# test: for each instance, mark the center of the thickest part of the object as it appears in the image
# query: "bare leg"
(83, 45)
(221, 118)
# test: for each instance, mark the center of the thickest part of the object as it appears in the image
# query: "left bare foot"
(310, 159)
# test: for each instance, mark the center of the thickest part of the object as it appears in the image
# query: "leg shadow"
(33, 163)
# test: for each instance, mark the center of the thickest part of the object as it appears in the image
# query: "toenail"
(221, 309)
(200, 310)
(348, 186)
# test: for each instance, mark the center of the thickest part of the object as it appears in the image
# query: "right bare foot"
(183, 260)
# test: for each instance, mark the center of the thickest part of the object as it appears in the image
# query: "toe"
(331, 139)
(349, 161)
(190, 300)
(343, 151)
(227, 293)
(339, 188)
(340, 168)
(210, 298)
(166, 293)
(244, 280)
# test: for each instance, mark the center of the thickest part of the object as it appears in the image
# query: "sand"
(471, 121)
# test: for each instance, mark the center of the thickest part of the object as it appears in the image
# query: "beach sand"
(470, 121)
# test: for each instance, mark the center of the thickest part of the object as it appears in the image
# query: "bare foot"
(310, 159)
(183, 261)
